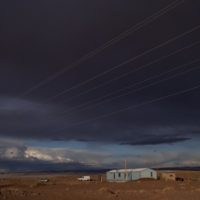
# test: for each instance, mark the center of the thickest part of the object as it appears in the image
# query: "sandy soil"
(66, 187)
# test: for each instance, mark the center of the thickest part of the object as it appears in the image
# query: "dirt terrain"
(67, 187)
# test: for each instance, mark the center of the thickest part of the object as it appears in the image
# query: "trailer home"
(122, 175)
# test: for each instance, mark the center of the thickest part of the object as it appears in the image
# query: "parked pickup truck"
(84, 178)
(43, 180)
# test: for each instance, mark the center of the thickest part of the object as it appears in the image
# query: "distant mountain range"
(46, 167)
(196, 168)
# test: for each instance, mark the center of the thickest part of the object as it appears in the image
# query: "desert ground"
(67, 187)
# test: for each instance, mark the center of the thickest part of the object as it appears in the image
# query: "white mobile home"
(130, 174)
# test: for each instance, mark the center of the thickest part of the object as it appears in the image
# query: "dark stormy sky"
(66, 101)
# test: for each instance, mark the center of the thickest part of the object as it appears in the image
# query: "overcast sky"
(66, 101)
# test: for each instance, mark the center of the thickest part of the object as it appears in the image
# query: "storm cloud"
(41, 101)
(151, 125)
(15, 156)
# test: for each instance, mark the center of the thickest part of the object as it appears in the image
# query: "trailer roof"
(129, 170)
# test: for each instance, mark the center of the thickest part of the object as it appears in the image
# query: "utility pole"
(125, 167)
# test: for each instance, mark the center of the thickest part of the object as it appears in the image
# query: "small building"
(168, 176)
(122, 175)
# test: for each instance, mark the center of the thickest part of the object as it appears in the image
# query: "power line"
(137, 106)
(137, 83)
(131, 86)
(105, 45)
(120, 65)
(143, 67)
(141, 88)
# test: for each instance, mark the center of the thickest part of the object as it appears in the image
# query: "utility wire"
(120, 65)
(141, 88)
(113, 41)
(181, 92)
(137, 83)
(134, 70)
(131, 86)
